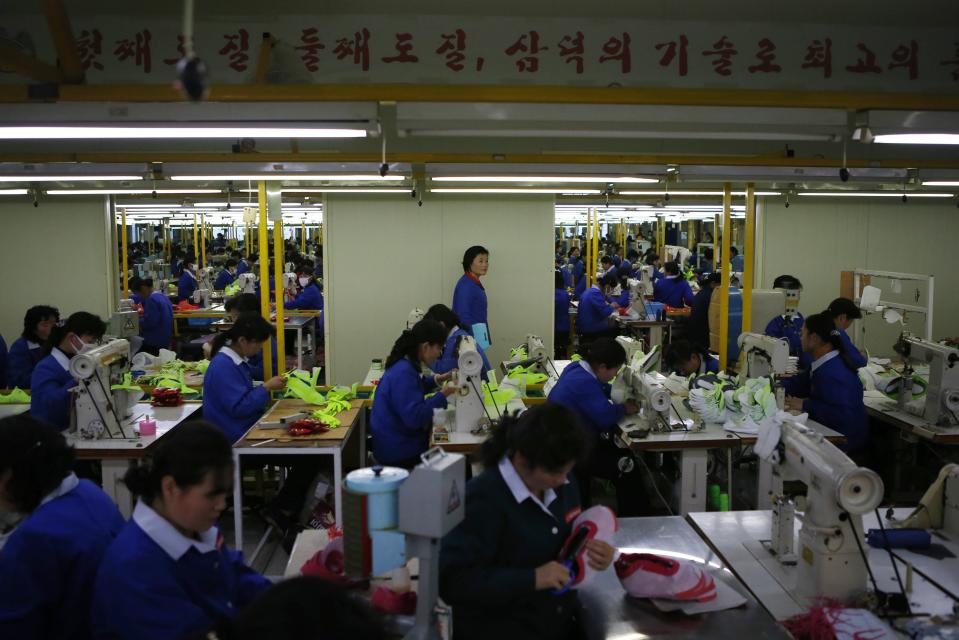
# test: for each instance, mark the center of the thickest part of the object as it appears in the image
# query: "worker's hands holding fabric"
(275, 383)
(631, 407)
(551, 575)
(599, 554)
(440, 378)
(794, 404)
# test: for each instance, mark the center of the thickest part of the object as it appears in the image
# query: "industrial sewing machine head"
(470, 411)
(204, 288)
(942, 392)
(289, 284)
(632, 347)
(766, 357)
(833, 495)
(637, 381)
(247, 282)
(98, 410)
(125, 321)
(536, 355)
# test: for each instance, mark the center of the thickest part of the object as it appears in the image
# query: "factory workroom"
(431, 323)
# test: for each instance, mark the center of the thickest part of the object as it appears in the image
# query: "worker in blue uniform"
(248, 303)
(49, 561)
(578, 269)
(187, 284)
(844, 312)
(227, 276)
(830, 390)
(449, 359)
(230, 401)
(561, 318)
(28, 350)
(789, 324)
(168, 573)
(609, 267)
(688, 358)
(310, 297)
(51, 381)
(673, 290)
(469, 296)
(653, 260)
(401, 419)
(627, 267)
(498, 567)
(697, 329)
(584, 387)
(242, 265)
(156, 325)
(593, 317)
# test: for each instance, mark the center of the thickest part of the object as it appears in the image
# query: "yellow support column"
(246, 238)
(691, 235)
(715, 241)
(265, 281)
(196, 238)
(596, 233)
(724, 294)
(749, 252)
(203, 246)
(123, 249)
(303, 237)
(278, 275)
(589, 247)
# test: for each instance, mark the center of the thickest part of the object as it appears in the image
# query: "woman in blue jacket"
(498, 567)
(168, 573)
(236, 306)
(310, 297)
(687, 358)
(672, 289)
(584, 387)
(187, 283)
(469, 296)
(27, 351)
(401, 418)
(226, 277)
(51, 381)
(230, 401)
(156, 324)
(789, 324)
(49, 562)
(579, 272)
(561, 319)
(843, 312)
(830, 390)
(449, 359)
(593, 316)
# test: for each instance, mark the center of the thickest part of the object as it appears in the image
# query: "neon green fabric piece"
(17, 396)
(127, 384)
(327, 418)
(176, 382)
(521, 373)
(501, 397)
(231, 289)
(300, 385)
(576, 358)
(519, 353)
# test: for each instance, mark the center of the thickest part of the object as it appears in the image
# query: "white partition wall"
(385, 255)
(61, 253)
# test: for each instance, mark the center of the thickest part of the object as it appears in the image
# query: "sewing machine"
(637, 382)
(98, 411)
(247, 282)
(837, 494)
(632, 347)
(469, 409)
(391, 517)
(125, 321)
(289, 285)
(766, 357)
(536, 356)
(204, 287)
(942, 392)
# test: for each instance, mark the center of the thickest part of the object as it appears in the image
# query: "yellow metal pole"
(749, 252)
(715, 241)
(196, 238)
(724, 295)
(265, 282)
(691, 235)
(246, 238)
(596, 233)
(123, 257)
(589, 246)
(203, 246)
(278, 275)
(303, 237)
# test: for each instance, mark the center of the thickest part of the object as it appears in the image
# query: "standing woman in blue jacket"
(584, 387)
(156, 325)
(449, 359)
(830, 390)
(168, 573)
(579, 272)
(401, 417)
(49, 562)
(561, 319)
(469, 296)
(28, 350)
(51, 381)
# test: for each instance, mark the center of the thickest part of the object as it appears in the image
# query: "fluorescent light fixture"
(335, 190)
(917, 138)
(940, 183)
(874, 194)
(546, 179)
(149, 206)
(42, 178)
(736, 194)
(14, 192)
(366, 177)
(166, 133)
(126, 192)
(571, 192)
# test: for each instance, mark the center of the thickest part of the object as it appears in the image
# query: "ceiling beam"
(851, 101)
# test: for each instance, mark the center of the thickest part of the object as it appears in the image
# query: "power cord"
(652, 481)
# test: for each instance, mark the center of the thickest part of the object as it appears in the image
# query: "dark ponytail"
(444, 315)
(188, 453)
(821, 325)
(249, 325)
(549, 436)
(407, 345)
(37, 457)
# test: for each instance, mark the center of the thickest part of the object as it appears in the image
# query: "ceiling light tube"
(14, 192)
(166, 133)
(126, 192)
(547, 179)
(940, 183)
(43, 178)
(335, 190)
(571, 192)
(695, 193)
(874, 194)
(370, 177)
(917, 138)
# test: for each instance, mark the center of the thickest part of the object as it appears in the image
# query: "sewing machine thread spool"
(724, 502)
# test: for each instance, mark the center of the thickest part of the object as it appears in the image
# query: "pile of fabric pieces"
(880, 382)
(302, 386)
(16, 396)
(526, 374)
(723, 399)
(172, 375)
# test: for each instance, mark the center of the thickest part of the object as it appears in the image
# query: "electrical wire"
(652, 482)
(480, 397)
(892, 559)
(862, 553)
